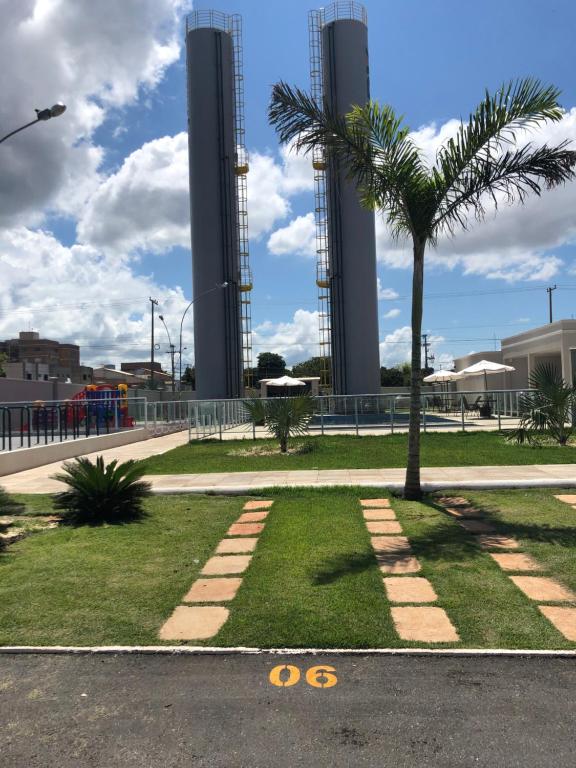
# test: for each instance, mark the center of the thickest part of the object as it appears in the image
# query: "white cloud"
(298, 238)
(296, 340)
(93, 56)
(513, 244)
(79, 295)
(385, 294)
(145, 204)
(397, 348)
(391, 313)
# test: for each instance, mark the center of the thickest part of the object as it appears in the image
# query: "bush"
(8, 505)
(283, 416)
(101, 494)
(546, 410)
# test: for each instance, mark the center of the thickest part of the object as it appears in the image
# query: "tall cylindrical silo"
(214, 205)
(351, 232)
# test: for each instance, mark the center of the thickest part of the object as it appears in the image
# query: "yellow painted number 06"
(285, 675)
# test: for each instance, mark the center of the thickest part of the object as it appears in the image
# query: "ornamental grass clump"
(101, 494)
(547, 409)
(283, 416)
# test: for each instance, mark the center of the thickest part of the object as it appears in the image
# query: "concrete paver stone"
(409, 589)
(223, 564)
(384, 526)
(567, 498)
(379, 514)
(375, 502)
(245, 529)
(194, 622)
(396, 564)
(212, 590)
(564, 619)
(453, 501)
(515, 561)
(543, 588)
(252, 517)
(424, 624)
(496, 541)
(236, 546)
(253, 505)
(464, 512)
(398, 545)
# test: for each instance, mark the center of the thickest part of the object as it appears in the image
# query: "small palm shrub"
(9, 505)
(101, 494)
(546, 410)
(284, 417)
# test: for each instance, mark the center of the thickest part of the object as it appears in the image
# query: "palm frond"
(370, 144)
(513, 174)
(479, 150)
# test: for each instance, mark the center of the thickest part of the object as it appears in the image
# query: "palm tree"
(284, 416)
(481, 163)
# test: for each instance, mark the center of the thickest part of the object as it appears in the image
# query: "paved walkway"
(39, 480)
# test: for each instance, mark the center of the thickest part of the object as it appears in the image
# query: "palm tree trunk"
(412, 489)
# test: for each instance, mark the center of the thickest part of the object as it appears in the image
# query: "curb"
(472, 485)
(190, 650)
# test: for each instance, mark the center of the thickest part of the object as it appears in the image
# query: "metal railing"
(25, 424)
(363, 414)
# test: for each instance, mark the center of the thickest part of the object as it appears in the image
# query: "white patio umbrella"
(285, 381)
(439, 377)
(485, 367)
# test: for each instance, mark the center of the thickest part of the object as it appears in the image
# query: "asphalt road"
(222, 711)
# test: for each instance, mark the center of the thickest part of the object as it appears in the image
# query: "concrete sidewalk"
(38, 480)
(433, 478)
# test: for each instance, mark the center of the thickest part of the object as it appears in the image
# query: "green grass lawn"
(350, 452)
(313, 580)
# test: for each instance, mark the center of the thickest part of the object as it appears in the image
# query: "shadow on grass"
(564, 536)
(341, 565)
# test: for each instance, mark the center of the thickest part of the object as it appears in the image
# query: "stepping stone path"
(538, 588)
(232, 557)
(394, 555)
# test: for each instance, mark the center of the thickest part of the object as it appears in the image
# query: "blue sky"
(115, 212)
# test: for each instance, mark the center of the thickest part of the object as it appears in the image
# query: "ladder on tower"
(241, 167)
(320, 208)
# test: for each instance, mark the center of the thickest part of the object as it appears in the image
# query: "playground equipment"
(105, 406)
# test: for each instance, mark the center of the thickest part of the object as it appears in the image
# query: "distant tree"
(391, 377)
(270, 366)
(3, 359)
(312, 367)
(189, 376)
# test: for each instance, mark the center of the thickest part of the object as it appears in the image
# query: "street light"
(216, 287)
(172, 348)
(41, 116)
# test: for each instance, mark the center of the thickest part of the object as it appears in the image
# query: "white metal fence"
(28, 424)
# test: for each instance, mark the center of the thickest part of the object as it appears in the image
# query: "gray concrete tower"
(346, 234)
(218, 168)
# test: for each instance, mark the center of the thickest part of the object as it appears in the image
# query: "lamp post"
(41, 116)
(172, 349)
(210, 290)
(153, 303)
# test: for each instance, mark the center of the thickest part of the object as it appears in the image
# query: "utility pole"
(153, 303)
(427, 357)
(172, 353)
(549, 292)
